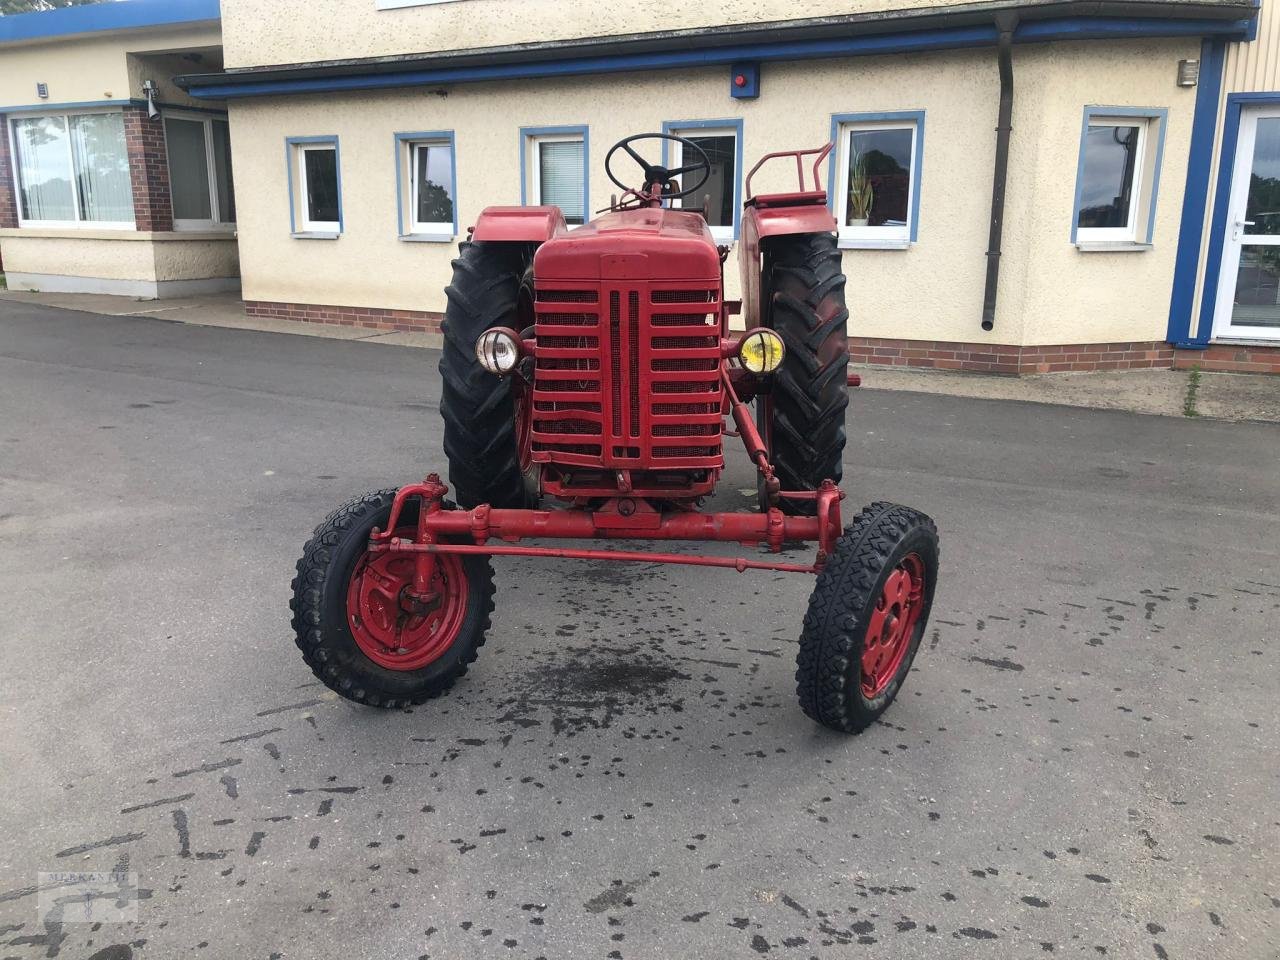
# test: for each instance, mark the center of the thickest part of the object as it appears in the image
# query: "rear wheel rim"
(387, 626)
(892, 625)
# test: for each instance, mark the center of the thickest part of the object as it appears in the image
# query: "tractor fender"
(759, 223)
(519, 224)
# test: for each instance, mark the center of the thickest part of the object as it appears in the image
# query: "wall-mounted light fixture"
(1188, 73)
(149, 88)
(42, 91)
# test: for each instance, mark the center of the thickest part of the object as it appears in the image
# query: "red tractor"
(594, 367)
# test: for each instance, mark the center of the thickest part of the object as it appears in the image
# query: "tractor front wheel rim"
(392, 628)
(892, 624)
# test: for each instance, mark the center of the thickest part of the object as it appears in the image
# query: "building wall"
(299, 31)
(111, 261)
(1050, 292)
(89, 69)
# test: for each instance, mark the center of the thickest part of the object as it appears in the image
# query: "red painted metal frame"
(775, 215)
(442, 531)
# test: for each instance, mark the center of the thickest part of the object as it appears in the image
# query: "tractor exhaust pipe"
(1005, 22)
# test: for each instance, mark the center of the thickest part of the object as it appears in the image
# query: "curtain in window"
(188, 169)
(44, 168)
(560, 172)
(102, 168)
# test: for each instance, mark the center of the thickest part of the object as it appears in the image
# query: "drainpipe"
(1005, 23)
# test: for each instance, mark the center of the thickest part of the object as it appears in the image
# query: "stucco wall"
(128, 256)
(1050, 293)
(298, 31)
(90, 68)
(182, 259)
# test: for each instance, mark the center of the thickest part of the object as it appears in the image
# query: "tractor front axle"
(444, 531)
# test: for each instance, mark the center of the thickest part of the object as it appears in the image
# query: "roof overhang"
(119, 16)
(884, 32)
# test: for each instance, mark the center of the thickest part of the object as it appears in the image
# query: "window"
(426, 180)
(315, 186)
(1118, 171)
(73, 170)
(721, 141)
(200, 183)
(556, 170)
(876, 173)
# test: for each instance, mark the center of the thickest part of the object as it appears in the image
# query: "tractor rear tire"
(866, 617)
(480, 435)
(802, 415)
(325, 618)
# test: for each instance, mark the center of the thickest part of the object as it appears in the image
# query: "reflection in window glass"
(433, 184)
(188, 169)
(102, 168)
(1263, 204)
(1106, 185)
(878, 190)
(44, 168)
(320, 168)
(222, 171)
(721, 151)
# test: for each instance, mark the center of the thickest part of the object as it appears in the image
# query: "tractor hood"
(649, 243)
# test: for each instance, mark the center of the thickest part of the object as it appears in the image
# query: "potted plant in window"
(861, 194)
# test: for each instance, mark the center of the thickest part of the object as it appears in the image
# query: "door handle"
(1240, 225)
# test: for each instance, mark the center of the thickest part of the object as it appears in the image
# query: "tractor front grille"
(627, 376)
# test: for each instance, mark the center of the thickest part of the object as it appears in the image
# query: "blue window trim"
(1195, 195)
(548, 64)
(290, 150)
(734, 124)
(1221, 202)
(432, 136)
(1160, 114)
(528, 134)
(917, 166)
(101, 17)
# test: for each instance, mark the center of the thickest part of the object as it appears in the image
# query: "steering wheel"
(656, 173)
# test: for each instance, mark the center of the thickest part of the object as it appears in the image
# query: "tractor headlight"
(498, 350)
(761, 350)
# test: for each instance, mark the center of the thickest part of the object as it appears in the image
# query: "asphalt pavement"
(1083, 761)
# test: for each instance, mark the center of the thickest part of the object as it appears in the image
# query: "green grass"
(1193, 387)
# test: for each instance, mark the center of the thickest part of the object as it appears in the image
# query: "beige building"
(367, 135)
(113, 180)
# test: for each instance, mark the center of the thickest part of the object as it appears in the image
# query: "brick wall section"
(8, 180)
(1231, 358)
(148, 170)
(372, 318)
(1009, 359)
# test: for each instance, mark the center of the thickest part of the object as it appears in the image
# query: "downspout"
(1005, 23)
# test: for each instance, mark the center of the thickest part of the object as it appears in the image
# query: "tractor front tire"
(802, 415)
(481, 438)
(349, 611)
(866, 617)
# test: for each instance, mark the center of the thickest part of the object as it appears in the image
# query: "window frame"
(881, 237)
(212, 223)
(300, 226)
(66, 113)
(407, 226)
(1142, 204)
(530, 167)
(710, 128)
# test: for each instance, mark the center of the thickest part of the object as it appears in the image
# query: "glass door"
(1249, 290)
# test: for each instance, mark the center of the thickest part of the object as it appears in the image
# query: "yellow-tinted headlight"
(761, 350)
